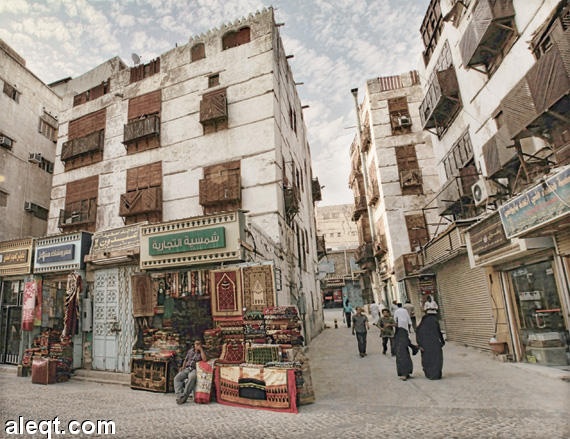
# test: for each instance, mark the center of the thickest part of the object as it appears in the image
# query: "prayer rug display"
(258, 287)
(204, 380)
(143, 296)
(256, 387)
(227, 300)
(232, 353)
(71, 311)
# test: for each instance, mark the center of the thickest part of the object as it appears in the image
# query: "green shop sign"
(190, 241)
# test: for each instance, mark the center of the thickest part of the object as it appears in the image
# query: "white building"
(393, 177)
(335, 225)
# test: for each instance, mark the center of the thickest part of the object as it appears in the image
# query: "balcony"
(359, 207)
(141, 201)
(213, 107)
(90, 143)
(222, 190)
(141, 128)
(455, 196)
(79, 213)
(321, 246)
(365, 138)
(292, 197)
(488, 32)
(316, 190)
(364, 253)
(442, 101)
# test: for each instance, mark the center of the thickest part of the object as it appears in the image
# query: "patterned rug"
(143, 298)
(226, 293)
(258, 287)
(256, 387)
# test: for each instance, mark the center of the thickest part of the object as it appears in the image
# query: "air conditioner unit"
(35, 157)
(483, 190)
(28, 206)
(6, 142)
(404, 121)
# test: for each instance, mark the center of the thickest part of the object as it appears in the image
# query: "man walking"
(360, 329)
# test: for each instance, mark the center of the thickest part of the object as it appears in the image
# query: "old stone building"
(393, 176)
(496, 105)
(184, 178)
(28, 136)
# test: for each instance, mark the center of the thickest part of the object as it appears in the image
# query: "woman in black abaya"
(430, 339)
(404, 365)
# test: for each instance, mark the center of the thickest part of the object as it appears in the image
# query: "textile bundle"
(232, 353)
(256, 387)
(30, 292)
(71, 313)
(204, 378)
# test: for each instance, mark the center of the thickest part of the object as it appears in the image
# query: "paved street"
(478, 397)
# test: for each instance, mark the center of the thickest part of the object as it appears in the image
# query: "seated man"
(188, 371)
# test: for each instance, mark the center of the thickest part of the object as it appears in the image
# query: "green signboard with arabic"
(190, 241)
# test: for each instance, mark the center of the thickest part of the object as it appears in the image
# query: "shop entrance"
(11, 321)
(542, 328)
(113, 327)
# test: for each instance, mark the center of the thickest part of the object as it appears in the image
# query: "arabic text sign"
(190, 241)
(13, 257)
(537, 206)
(56, 254)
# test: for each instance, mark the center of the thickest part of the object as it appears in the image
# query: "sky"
(336, 45)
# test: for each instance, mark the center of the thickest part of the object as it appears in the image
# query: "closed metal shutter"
(466, 303)
(563, 242)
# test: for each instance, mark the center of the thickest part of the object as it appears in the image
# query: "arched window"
(236, 38)
(198, 51)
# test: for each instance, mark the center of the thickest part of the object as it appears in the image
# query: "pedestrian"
(394, 307)
(347, 308)
(360, 329)
(431, 341)
(404, 365)
(387, 325)
(411, 311)
(374, 313)
(187, 373)
(430, 306)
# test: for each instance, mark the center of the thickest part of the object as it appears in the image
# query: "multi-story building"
(28, 136)
(496, 104)
(185, 177)
(338, 271)
(335, 225)
(393, 177)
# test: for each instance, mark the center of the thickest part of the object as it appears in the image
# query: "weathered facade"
(185, 171)
(393, 176)
(496, 103)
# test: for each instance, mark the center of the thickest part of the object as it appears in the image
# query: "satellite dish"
(136, 59)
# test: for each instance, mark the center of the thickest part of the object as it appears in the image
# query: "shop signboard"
(61, 252)
(15, 257)
(193, 241)
(115, 245)
(487, 235)
(540, 205)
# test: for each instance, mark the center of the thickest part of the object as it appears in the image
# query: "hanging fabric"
(71, 307)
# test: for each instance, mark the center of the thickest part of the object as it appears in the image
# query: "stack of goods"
(62, 352)
(213, 342)
(50, 344)
(282, 324)
(161, 344)
(232, 330)
(303, 376)
(254, 327)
